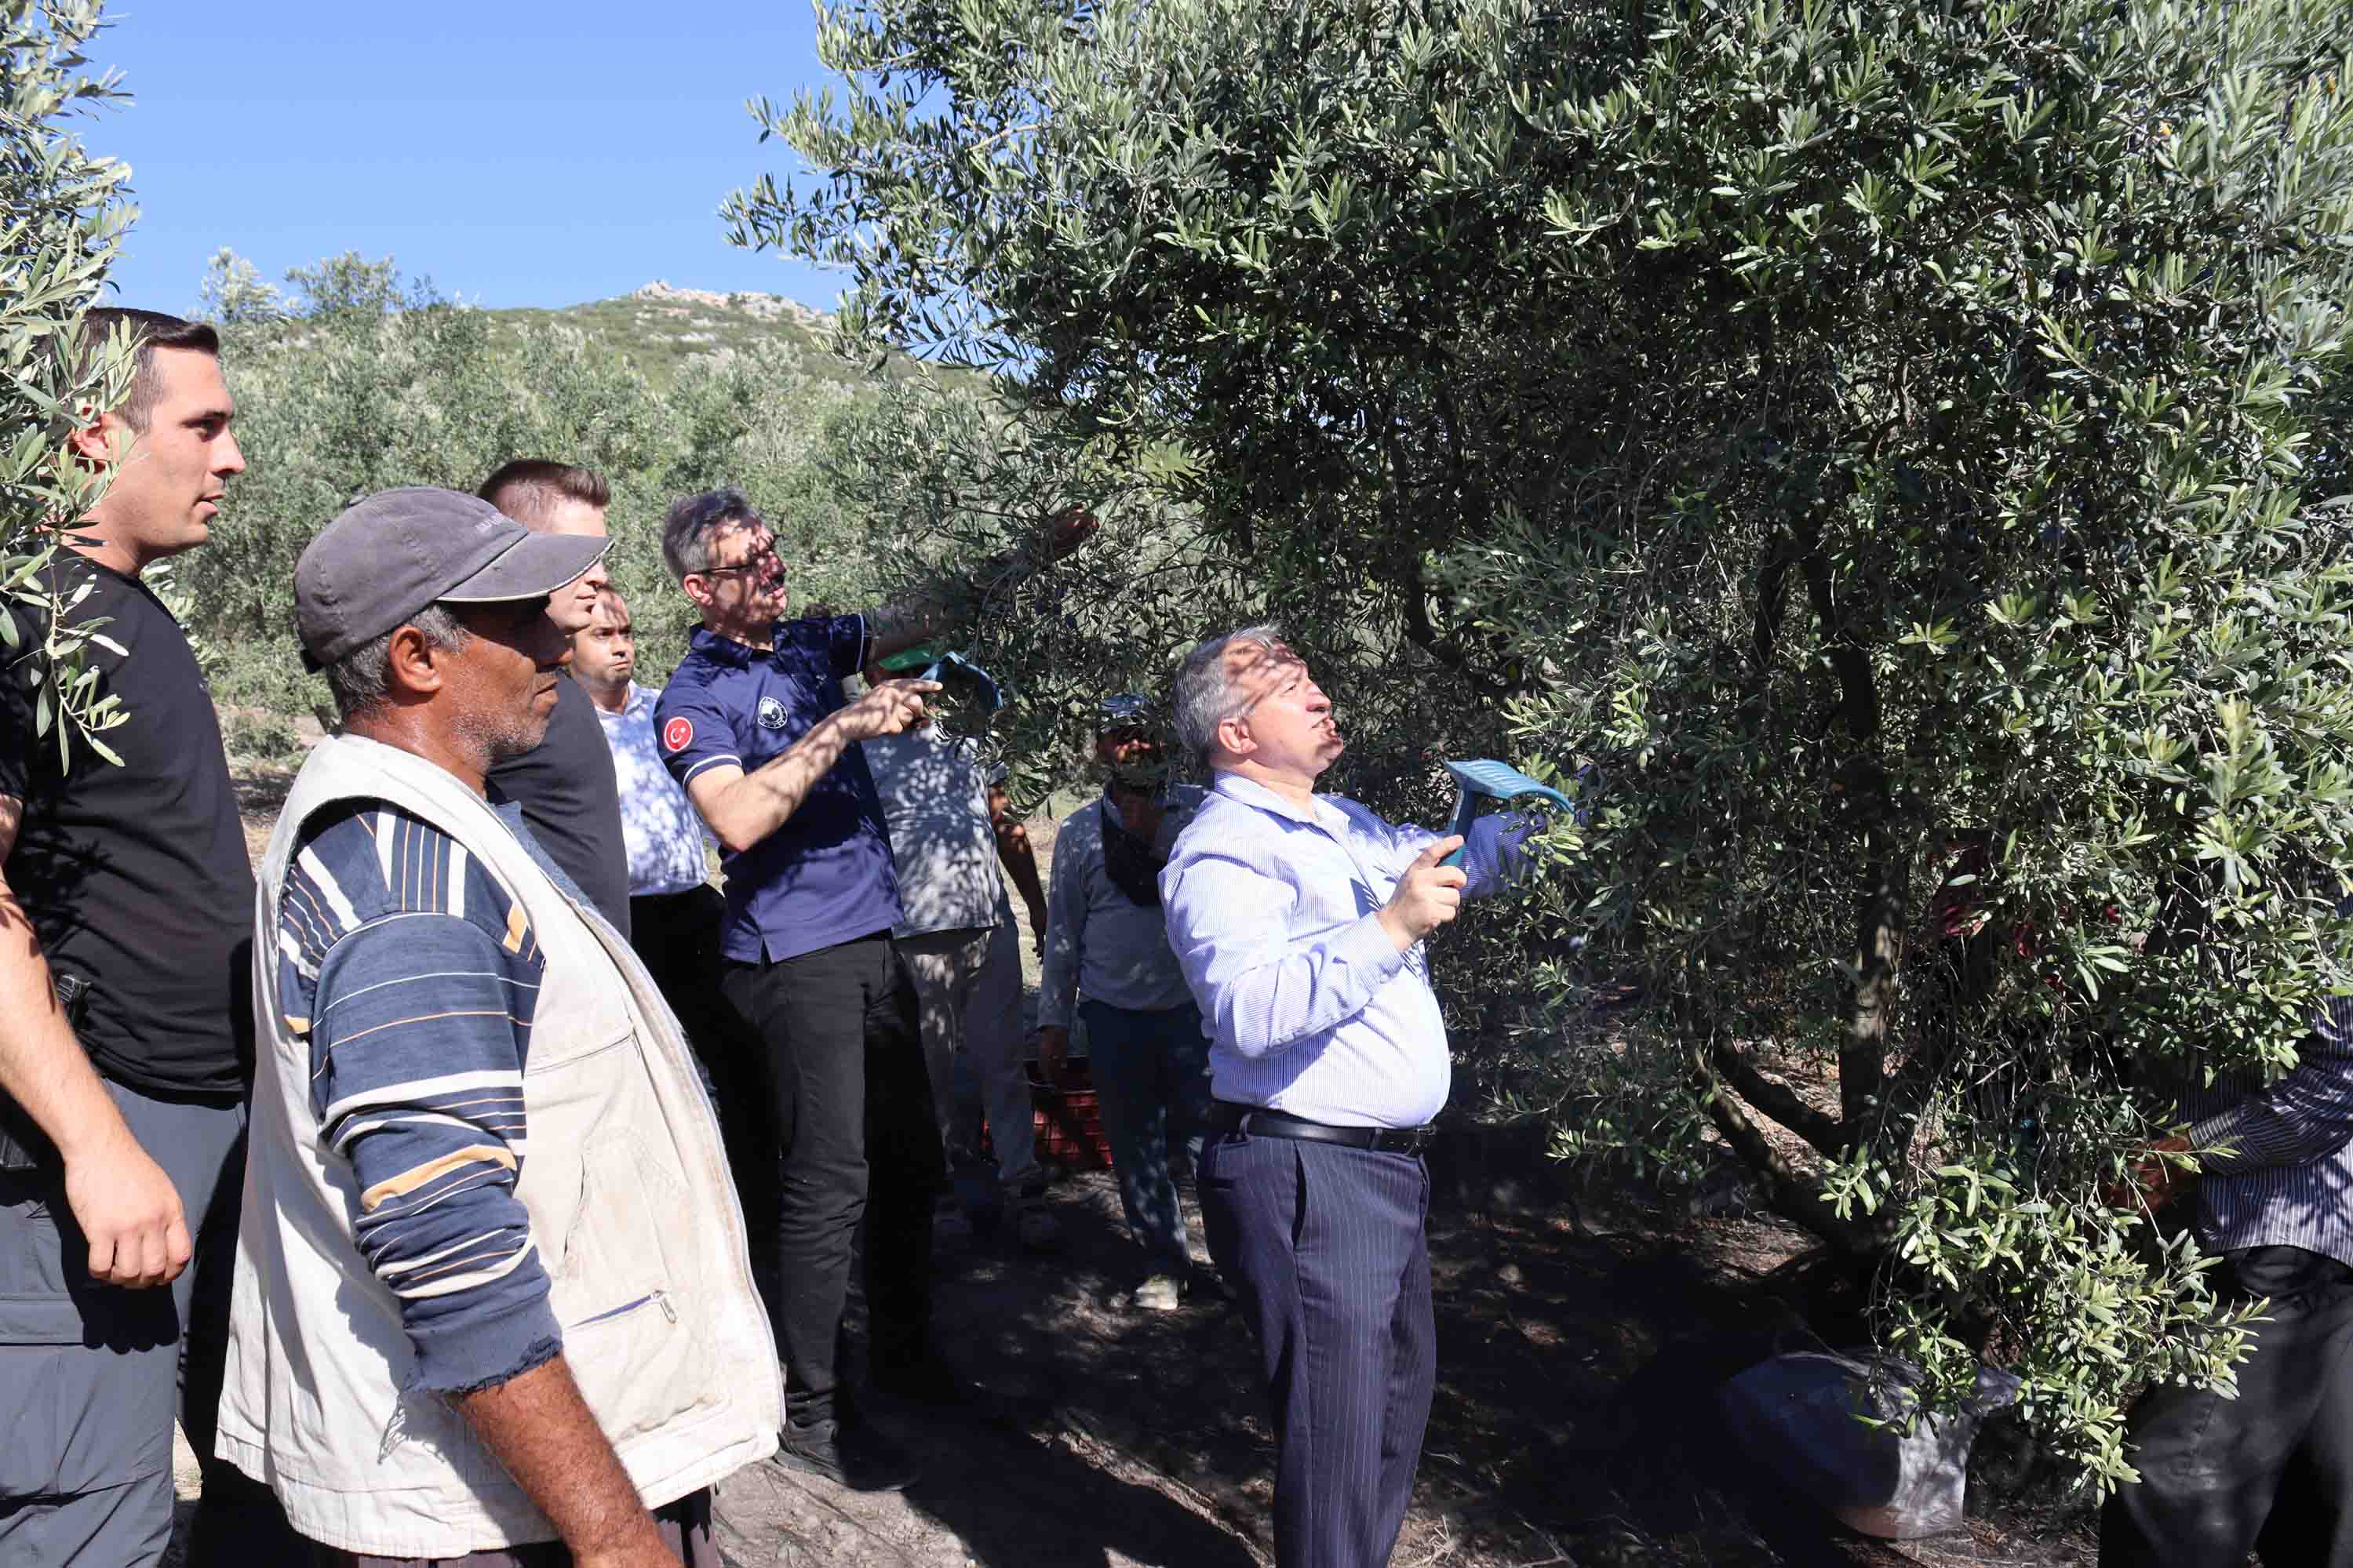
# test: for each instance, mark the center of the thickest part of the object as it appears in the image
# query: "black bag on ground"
(1806, 1416)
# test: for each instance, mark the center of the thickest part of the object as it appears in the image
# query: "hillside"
(659, 328)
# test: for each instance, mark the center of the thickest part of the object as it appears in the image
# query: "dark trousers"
(851, 1121)
(90, 1374)
(1324, 1247)
(1152, 1071)
(677, 935)
(684, 1526)
(2270, 1471)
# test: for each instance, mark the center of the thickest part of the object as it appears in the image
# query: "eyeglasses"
(758, 558)
(1250, 705)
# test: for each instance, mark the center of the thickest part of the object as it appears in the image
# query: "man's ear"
(415, 666)
(697, 591)
(98, 439)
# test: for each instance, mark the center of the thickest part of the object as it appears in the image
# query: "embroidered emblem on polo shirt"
(678, 732)
(772, 713)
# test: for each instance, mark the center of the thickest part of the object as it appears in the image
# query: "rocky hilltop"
(659, 326)
(762, 307)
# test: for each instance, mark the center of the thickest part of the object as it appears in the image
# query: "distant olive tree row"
(352, 379)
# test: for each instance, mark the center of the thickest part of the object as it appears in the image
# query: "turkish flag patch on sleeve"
(679, 733)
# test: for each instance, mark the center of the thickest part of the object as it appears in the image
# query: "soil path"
(1578, 1352)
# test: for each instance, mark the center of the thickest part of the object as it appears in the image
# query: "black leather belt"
(1261, 1123)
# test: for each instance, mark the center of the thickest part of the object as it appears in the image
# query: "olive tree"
(1888, 450)
(63, 224)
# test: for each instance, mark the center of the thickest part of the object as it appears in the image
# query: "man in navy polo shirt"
(755, 726)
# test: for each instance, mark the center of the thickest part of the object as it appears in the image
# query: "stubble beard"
(503, 737)
(605, 687)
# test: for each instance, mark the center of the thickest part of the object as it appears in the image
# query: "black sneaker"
(1203, 1282)
(929, 1382)
(856, 1456)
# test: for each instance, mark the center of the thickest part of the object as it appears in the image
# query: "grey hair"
(362, 678)
(691, 521)
(1204, 696)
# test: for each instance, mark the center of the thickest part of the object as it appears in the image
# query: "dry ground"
(1580, 1342)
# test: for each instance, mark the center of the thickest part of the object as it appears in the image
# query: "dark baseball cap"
(1125, 709)
(390, 557)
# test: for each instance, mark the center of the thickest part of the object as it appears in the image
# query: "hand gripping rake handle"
(1485, 778)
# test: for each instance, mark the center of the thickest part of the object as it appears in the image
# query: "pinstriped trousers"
(1324, 1247)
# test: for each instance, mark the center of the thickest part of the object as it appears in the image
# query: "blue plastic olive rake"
(949, 666)
(1483, 778)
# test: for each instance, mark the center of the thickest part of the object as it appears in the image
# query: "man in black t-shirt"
(566, 786)
(127, 890)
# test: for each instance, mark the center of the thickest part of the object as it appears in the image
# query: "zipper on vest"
(657, 1297)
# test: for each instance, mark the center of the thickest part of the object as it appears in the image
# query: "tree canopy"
(64, 223)
(1895, 448)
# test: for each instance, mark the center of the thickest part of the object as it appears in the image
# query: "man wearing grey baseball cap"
(450, 1341)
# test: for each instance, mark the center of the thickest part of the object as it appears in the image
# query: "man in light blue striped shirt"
(1298, 918)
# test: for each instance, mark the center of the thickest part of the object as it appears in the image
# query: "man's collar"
(1249, 791)
(722, 649)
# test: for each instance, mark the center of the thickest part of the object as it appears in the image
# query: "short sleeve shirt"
(664, 835)
(935, 790)
(825, 876)
(135, 878)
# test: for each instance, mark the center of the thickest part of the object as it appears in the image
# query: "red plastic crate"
(1068, 1118)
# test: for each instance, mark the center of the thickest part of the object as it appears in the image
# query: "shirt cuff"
(1366, 944)
(482, 1351)
(2221, 1128)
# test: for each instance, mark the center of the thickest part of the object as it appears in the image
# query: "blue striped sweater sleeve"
(413, 974)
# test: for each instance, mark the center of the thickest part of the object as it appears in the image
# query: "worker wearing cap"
(477, 1308)
(756, 727)
(1107, 941)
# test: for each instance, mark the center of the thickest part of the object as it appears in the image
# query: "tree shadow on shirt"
(934, 789)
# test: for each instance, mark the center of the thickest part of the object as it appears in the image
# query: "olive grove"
(1893, 449)
(354, 379)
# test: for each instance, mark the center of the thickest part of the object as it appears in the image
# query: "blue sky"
(518, 152)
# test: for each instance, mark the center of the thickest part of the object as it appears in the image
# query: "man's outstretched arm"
(125, 1205)
(896, 628)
